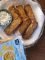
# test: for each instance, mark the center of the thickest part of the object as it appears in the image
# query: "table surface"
(37, 52)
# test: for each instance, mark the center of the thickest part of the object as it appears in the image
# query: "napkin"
(12, 50)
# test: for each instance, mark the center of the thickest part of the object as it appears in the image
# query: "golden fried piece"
(15, 22)
(24, 26)
(13, 26)
(29, 11)
(30, 30)
(21, 12)
(13, 11)
(33, 24)
(25, 18)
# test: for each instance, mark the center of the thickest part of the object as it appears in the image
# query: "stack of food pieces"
(23, 20)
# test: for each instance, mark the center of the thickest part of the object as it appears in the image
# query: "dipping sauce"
(5, 17)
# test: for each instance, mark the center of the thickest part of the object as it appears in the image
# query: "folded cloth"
(12, 50)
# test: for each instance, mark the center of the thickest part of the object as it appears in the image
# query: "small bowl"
(6, 23)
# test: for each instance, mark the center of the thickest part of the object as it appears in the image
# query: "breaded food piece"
(33, 24)
(29, 11)
(25, 18)
(21, 12)
(13, 26)
(13, 11)
(15, 22)
(24, 26)
(29, 30)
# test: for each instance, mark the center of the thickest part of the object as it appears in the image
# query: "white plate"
(40, 19)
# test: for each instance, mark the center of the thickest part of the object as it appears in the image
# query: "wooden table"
(37, 52)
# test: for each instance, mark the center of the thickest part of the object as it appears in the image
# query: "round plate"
(39, 18)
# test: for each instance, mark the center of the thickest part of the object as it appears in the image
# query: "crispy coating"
(13, 11)
(21, 12)
(33, 24)
(25, 18)
(30, 30)
(24, 26)
(13, 26)
(15, 22)
(29, 12)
